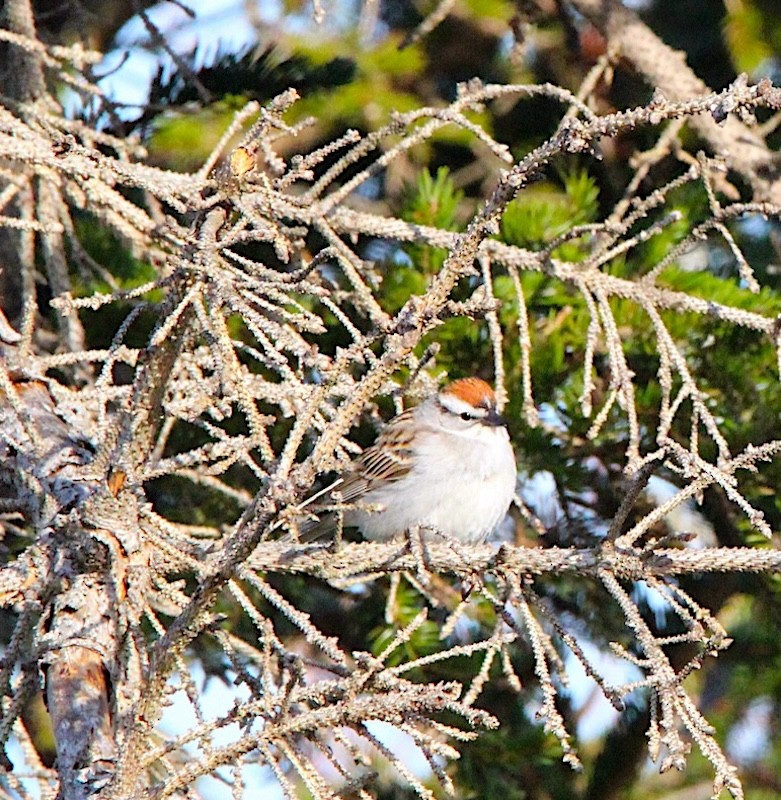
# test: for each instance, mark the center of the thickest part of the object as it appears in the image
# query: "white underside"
(463, 491)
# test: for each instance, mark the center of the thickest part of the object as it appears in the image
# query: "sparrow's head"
(472, 401)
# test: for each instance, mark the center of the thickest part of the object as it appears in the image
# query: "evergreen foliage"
(209, 345)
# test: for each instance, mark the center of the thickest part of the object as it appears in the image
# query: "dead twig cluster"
(110, 595)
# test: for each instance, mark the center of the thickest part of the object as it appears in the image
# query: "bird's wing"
(388, 459)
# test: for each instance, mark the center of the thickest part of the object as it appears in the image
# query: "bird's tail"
(317, 527)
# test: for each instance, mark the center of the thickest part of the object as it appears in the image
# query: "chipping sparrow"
(445, 466)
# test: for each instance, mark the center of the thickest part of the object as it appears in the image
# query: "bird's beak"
(494, 419)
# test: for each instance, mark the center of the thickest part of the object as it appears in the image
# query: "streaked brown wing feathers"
(389, 459)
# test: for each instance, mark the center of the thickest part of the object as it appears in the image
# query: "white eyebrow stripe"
(457, 406)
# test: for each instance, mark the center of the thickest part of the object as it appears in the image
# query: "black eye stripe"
(475, 415)
(472, 414)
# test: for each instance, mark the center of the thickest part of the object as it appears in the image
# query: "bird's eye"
(466, 416)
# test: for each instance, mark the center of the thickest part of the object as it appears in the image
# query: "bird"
(445, 467)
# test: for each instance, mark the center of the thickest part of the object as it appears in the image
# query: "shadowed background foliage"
(351, 76)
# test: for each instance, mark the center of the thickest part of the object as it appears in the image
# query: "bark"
(666, 69)
(82, 638)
